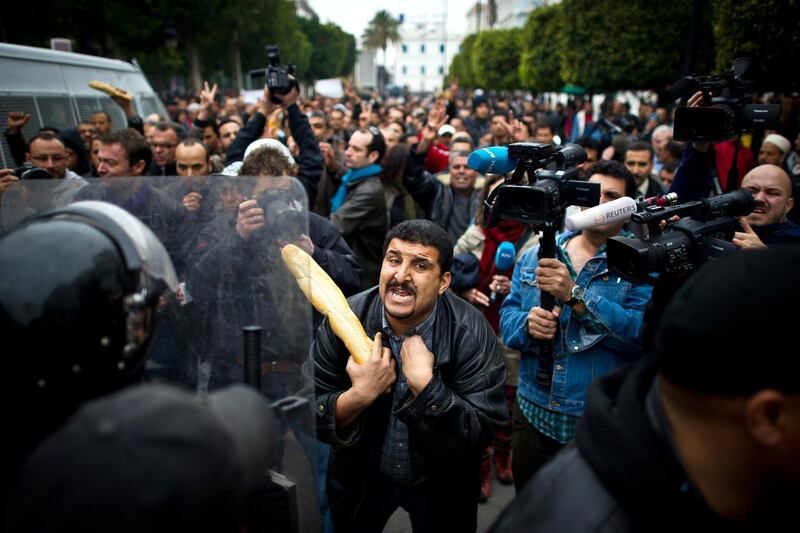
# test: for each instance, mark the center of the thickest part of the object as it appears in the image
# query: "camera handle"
(547, 249)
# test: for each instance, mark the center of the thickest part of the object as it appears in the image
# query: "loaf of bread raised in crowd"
(328, 299)
(111, 90)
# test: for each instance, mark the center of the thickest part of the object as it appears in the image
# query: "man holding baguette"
(408, 425)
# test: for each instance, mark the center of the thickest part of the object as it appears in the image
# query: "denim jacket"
(579, 356)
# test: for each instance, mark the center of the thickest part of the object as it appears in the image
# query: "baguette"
(326, 297)
(110, 90)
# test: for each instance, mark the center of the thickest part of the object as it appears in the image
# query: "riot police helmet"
(79, 286)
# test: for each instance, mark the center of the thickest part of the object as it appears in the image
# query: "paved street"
(487, 512)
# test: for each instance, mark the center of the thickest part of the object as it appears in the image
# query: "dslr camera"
(29, 172)
(705, 233)
(282, 215)
(552, 185)
(279, 79)
(725, 111)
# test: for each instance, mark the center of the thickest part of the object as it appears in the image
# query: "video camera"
(725, 111)
(684, 244)
(542, 202)
(279, 79)
(551, 187)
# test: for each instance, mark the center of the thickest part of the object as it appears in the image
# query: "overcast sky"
(353, 15)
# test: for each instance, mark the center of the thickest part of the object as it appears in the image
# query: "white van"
(53, 87)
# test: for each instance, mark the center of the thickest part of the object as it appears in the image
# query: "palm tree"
(381, 31)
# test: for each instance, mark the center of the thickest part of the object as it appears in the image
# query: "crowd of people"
(379, 192)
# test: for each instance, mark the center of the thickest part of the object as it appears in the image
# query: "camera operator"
(771, 186)
(695, 178)
(767, 224)
(705, 436)
(595, 328)
(310, 160)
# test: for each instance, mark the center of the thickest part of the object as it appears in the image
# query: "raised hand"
(17, 120)
(206, 101)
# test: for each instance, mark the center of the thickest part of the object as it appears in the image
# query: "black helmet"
(78, 286)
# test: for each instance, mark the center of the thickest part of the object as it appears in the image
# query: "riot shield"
(238, 316)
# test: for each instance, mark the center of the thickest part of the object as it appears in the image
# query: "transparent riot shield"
(238, 317)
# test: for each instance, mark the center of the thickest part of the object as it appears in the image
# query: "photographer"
(250, 242)
(47, 153)
(595, 328)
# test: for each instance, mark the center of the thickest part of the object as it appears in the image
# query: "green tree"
(495, 59)
(767, 31)
(461, 64)
(542, 37)
(381, 31)
(330, 49)
(637, 44)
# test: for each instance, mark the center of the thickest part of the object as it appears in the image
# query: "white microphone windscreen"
(617, 210)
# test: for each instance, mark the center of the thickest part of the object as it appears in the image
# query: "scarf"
(505, 230)
(353, 177)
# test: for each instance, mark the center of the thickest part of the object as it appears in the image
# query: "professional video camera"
(279, 79)
(542, 202)
(725, 111)
(551, 187)
(704, 233)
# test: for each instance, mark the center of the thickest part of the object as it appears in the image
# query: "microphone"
(491, 160)
(618, 210)
(572, 154)
(503, 260)
(679, 88)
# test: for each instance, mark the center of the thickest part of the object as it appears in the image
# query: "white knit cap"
(780, 141)
(272, 143)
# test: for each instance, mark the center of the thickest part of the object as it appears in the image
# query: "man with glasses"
(48, 152)
(163, 142)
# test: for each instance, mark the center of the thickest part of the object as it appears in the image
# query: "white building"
(366, 70)
(514, 13)
(478, 18)
(423, 55)
(508, 14)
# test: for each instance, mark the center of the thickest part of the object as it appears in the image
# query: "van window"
(149, 105)
(16, 103)
(56, 111)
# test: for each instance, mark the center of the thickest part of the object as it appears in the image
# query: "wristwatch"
(575, 295)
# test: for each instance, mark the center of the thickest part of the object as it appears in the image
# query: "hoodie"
(622, 472)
